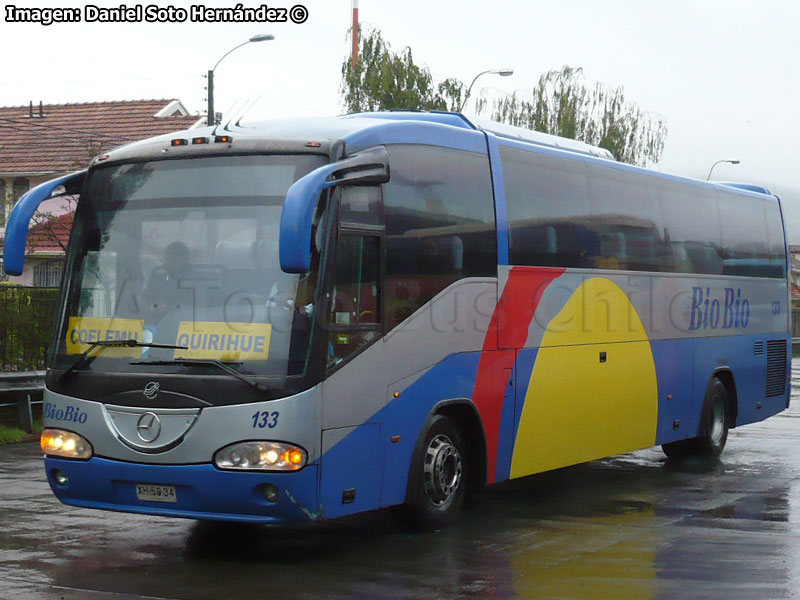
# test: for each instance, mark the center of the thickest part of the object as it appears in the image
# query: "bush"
(10, 435)
(27, 316)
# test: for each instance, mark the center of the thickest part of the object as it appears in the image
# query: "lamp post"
(501, 72)
(256, 38)
(733, 161)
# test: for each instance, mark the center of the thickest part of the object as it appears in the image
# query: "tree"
(561, 104)
(383, 80)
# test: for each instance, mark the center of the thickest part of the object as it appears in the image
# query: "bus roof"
(361, 130)
(328, 130)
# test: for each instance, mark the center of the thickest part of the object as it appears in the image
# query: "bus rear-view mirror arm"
(17, 228)
(367, 167)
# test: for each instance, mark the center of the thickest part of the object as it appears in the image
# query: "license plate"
(156, 493)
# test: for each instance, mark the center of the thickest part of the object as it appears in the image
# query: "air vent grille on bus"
(776, 368)
(758, 348)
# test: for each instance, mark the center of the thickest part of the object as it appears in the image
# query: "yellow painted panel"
(223, 341)
(597, 312)
(578, 408)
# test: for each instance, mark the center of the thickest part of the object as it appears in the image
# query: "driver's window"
(355, 305)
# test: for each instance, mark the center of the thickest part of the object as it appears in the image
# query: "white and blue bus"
(307, 319)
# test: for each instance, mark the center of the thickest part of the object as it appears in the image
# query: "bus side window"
(777, 249)
(439, 224)
(355, 313)
(361, 205)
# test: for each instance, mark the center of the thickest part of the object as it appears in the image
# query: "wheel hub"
(443, 470)
(717, 422)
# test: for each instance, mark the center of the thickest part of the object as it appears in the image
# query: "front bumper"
(203, 491)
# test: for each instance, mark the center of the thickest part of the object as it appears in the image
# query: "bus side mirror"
(367, 167)
(17, 228)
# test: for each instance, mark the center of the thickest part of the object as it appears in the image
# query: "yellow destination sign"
(223, 341)
(83, 331)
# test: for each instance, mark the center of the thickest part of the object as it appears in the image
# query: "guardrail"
(19, 387)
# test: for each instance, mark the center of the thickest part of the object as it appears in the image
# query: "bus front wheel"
(713, 426)
(441, 476)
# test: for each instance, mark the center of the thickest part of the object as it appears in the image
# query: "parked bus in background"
(308, 319)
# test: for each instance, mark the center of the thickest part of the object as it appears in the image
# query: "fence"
(26, 326)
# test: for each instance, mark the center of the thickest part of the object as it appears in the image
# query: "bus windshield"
(185, 253)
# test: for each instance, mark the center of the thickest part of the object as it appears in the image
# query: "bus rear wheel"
(713, 426)
(441, 476)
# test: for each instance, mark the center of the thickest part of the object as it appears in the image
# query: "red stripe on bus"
(509, 327)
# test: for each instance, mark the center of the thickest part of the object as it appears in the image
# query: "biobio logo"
(70, 414)
(730, 312)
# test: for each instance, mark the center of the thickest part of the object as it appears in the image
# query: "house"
(41, 141)
(794, 264)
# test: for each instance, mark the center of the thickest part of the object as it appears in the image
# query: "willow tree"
(383, 79)
(562, 104)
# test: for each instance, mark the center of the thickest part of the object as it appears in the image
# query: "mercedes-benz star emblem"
(148, 427)
(151, 390)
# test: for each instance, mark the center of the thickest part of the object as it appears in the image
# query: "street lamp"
(733, 161)
(501, 72)
(256, 38)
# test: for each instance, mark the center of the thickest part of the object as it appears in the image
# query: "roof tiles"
(68, 136)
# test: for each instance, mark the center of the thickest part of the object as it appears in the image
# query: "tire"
(439, 477)
(713, 426)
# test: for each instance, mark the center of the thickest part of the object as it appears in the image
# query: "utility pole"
(210, 118)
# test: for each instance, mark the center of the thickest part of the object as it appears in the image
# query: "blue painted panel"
(675, 373)
(749, 373)
(523, 370)
(203, 491)
(498, 184)
(750, 187)
(19, 221)
(417, 132)
(513, 400)
(434, 116)
(405, 416)
(352, 464)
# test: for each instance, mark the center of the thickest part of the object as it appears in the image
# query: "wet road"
(633, 526)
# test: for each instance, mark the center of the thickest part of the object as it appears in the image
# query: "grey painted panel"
(297, 421)
(148, 430)
(673, 306)
(456, 320)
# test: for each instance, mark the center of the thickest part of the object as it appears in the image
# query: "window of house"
(48, 273)
(21, 185)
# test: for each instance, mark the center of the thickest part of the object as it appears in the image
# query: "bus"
(305, 319)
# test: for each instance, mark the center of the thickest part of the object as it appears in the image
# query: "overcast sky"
(724, 75)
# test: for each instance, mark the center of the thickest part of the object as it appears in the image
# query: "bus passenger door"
(352, 459)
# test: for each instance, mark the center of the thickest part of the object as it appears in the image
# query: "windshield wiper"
(202, 361)
(84, 360)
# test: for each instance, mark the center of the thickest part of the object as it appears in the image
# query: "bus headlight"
(66, 444)
(262, 456)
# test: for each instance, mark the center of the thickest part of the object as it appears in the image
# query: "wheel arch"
(725, 375)
(465, 415)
